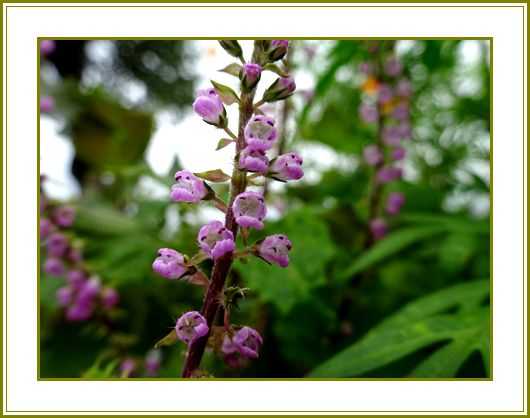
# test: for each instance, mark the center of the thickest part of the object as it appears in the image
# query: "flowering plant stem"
(222, 265)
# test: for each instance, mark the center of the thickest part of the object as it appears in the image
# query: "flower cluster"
(83, 293)
(246, 209)
(47, 47)
(132, 367)
(385, 103)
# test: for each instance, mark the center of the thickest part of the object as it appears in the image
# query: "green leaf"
(223, 142)
(169, 339)
(391, 245)
(215, 176)
(312, 249)
(228, 96)
(97, 371)
(419, 325)
(232, 69)
(275, 69)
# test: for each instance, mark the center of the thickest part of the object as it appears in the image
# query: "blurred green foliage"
(414, 304)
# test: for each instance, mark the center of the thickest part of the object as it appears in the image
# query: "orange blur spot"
(370, 86)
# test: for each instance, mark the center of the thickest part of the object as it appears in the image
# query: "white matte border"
(507, 24)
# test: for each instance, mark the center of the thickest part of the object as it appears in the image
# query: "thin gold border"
(491, 133)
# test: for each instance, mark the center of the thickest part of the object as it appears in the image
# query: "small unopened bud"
(250, 75)
(282, 88)
(232, 47)
(278, 49)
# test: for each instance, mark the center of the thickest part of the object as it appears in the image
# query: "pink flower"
(57, 244)
(54, 267)
(260, 133)
(109, 297)
(368, 113)
(64, 216)
(215, 240)
(275, 249)
(169, 264)
(287, 167)
(246, 342)
(188, 188)
(372, 155)
(253, 160)
(191, 326)
(394, 203)
(249, 210)
(209, 106)
(379, 228)
(47, 104)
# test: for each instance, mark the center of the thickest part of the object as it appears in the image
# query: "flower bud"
(209, 106)
(246, 342)
(282, 88)
(388, 174)
(253, 160)
(378, 228)
(79, 312)
(287, 167)
(47, 104)
(54, 267)
(393, 67)
(275, 249)
(47, 46)
(152, 362)
(169, 264)
(394, 203)
(57, 244)
(260, 133)
(372, 155)
(215, 240)
(64, 296)
(191, 326)
(368, 113)
(249, 210)
(46, 227)
(188, 188)
(250, 75)
(64, 216)
(398, 153)
(278, 49)
(232, 47)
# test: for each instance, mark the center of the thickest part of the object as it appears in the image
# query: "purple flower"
(64, 295)
(388, 174)
(47, 46)
(64, 216)
(393, 67)
(209, 106)
(74, 255)
(260, 133)
(215, 240)
(405, 130)
(76, 278)
(287, 167)
(253, 160)
(46, 227)
(372, 155)
(401, 111)
(378, 228)
(366, 68)
(47, 104)
(249, 210)
(54, 267)
(391, 135)
(127, 366)
(282, 88)
(88, 291)
(275, 249)
(191, 326)
(398, 153)
(278, 49)
(394, 203)
(246, 342)
(404, 88)
(152, 362)
(368, 113)
(57, 244)
(385, 93)
(109, 297)
(250, 75)
(169, 264)
(79, 312)
(188, 188)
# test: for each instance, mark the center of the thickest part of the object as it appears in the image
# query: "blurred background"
(405, 297)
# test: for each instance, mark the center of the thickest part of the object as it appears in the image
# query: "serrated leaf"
(227, 95)
(169, 339)
(215, 176)
(275, 69)
(232, 69)
(223, 142)
(419, 325)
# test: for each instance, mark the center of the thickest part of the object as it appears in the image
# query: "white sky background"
(195, 141)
